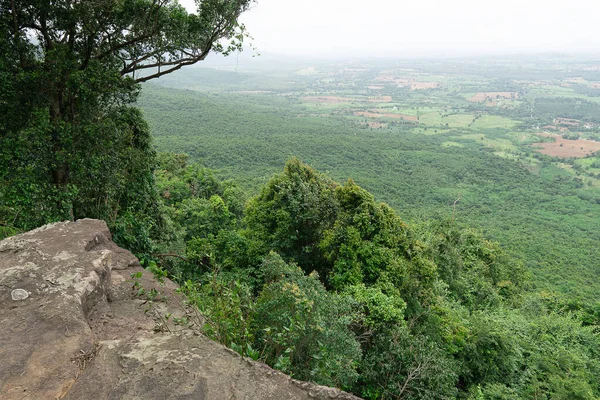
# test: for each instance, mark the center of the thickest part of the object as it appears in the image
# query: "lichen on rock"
(19, 294)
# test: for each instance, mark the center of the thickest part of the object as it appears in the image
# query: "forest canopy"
(321, 281)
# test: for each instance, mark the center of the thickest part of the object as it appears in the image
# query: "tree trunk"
(59, 169)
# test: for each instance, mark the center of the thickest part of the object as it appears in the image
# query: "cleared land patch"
(565, 148)
(458, 120)
(492, 122)
(450, 121)
(498, 144)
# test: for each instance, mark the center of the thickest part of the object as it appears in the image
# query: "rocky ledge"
(72, 326)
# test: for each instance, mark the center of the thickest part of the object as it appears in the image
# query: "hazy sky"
(445, 27)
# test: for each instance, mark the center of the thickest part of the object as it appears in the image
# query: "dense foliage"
(71, 144)
(319, 280)
(542, 213)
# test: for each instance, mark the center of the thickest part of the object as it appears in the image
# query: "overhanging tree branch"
(178, 66)
(121, 46)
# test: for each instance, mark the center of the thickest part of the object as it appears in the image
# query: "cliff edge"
(73, 326)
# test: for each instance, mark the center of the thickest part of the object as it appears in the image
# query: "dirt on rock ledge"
(72, 327)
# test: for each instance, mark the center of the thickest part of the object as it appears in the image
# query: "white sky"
(444, 27)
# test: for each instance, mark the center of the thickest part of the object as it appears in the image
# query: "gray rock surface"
(72, 327)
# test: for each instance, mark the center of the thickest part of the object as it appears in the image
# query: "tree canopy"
(321, 281)
(69, 72)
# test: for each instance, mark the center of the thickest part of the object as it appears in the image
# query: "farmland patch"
(565, 148)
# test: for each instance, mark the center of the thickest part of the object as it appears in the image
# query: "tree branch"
(129, 68)
(122, 45)
(17, 33)
(159, 64)
(178, 66)
(44, 31)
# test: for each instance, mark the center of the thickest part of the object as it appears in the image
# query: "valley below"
(506, 145)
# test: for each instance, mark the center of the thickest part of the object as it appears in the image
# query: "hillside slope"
(542, 218)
